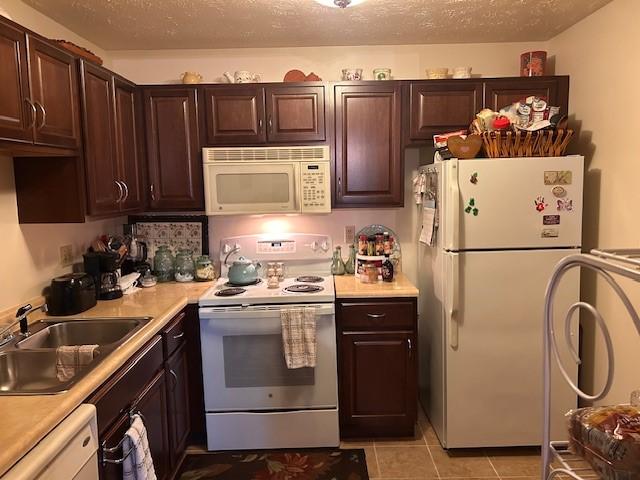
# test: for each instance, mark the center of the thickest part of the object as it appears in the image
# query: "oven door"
(235, 188)
(244, 367)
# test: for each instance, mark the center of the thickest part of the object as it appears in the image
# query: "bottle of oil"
(337, 265)
(387, 270)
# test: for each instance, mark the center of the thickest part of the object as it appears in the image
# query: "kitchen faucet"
(6, 335)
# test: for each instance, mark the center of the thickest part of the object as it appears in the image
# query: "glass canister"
(350, 264)
(163, 264)
(337, 265)
(185, 270)
(204, 269)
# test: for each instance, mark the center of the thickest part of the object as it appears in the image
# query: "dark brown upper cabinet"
(502, 92)
(16, 116)
(368, 154)
(39, 95)
(295, 114)
(255, 115)
(174, 155)
(54, 92)
(436, 106)
(234, 114)
(113, 172)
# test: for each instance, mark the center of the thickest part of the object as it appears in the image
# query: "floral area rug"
(311, 464)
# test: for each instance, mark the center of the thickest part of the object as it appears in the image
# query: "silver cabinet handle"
(44, 114)
(260, 126)
(120, 190)
(34, 113)
(175, 379)
(376, 315)
(153, 192)
(270, 124)
(410, 345)
(339, 186)
(126, 190)
(180, 335)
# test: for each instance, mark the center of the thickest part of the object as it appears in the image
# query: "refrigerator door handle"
(454, 201)
(455, 299)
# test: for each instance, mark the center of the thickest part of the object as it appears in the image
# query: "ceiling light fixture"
(339, 3)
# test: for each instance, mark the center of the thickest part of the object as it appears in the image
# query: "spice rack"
(557, 459)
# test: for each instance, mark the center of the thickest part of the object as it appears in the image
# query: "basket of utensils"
(522, 143)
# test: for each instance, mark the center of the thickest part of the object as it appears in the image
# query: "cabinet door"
(153, 407)
(173, 149)
(378, 391)
(501, 92)
(437, 107)
(101, 167)
(234, 115)
(368, 157)
(295, 114)
(178, 392)
(16, 115)
(54, 91)
(128, 144)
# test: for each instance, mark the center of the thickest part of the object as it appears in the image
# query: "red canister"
(532, 64)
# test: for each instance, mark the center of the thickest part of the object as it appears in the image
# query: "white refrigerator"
(500, 227)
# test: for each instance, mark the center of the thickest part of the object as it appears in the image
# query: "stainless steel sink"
(28, 367)
(83, 332)
(32, 372)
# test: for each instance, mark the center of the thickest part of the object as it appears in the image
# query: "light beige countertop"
(25, 420)
(348, 286)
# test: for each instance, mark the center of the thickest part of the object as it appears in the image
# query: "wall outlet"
(349, 234)
(66, 255)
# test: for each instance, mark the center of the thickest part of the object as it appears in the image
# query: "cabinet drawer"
(376, 315)
(173, 334)
(116, 396)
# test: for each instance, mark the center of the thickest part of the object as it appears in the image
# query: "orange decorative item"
(79, 51)
(312, 77)
(299, 76)
(465, 147)
(532, 64)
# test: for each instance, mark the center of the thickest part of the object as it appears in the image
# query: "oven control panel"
(316, 187)
(280, 246)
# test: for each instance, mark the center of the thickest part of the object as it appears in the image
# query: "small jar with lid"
(163, 264)
(204, 269)
(185, 267)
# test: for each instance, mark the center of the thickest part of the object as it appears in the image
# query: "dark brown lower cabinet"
(157, 387)
(377, 367)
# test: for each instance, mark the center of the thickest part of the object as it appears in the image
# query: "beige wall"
(30, 253)
(39, 23)
(600, 53)
(406, 61)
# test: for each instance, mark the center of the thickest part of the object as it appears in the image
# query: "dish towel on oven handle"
(137, 464)
(299, 336)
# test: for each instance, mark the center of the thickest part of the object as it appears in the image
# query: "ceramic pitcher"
(191, 77)
(242, 76)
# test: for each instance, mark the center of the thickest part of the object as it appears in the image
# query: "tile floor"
(423, 458)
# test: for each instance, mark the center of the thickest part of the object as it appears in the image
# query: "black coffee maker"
(103, 267)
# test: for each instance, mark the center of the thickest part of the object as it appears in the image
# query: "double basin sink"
(28, 366)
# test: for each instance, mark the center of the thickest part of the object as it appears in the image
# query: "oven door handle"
(221, 313)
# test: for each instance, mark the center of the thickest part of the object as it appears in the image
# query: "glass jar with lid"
(204, 269)
(163, 264)
(185, 269)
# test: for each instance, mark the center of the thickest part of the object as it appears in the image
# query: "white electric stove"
(252, 400)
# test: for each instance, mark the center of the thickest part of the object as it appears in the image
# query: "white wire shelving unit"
(557, 459)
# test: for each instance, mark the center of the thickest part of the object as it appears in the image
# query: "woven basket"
(548, 143)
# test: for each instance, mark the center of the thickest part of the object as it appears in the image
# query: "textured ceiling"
(163, 24)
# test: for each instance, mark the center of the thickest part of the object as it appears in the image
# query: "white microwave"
(245, 180)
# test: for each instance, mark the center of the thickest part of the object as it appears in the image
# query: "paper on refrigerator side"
(429, 223)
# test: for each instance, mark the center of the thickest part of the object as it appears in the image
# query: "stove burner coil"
(304, 288)
(309, 279)
(257, 281)
(230, 292)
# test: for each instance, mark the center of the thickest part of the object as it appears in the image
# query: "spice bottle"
(371, 245)
(362, 245)
(379, 244)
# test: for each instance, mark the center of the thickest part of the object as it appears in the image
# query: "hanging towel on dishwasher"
(71, 359)
(299, 336)
(137, 464)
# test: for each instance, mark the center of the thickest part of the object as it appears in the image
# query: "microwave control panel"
(316, 187)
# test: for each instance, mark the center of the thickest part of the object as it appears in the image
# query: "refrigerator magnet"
(472, 208)
(539, 203)
(474, 178)
(559, 192)
(551, 219)
(550, 233)
(558, 177)
(565, 205)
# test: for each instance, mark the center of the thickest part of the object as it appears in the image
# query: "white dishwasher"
(69, 452)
